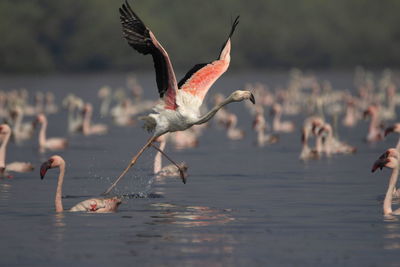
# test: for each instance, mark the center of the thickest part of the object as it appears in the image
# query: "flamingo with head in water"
(179, 108)
(5, 133)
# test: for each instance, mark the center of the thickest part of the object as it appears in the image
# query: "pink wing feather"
(199, 80)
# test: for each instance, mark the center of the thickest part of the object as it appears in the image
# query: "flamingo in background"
(5, 133)
(392, 163)
(87, 127)
(98, 205)
(277, 124)
(179, 108)
(233, 132)
(260, 126)
(309, 127)
(169, 170)
(51, 143)
(375, 132)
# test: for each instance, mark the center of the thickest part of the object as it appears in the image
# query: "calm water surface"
(242, 205)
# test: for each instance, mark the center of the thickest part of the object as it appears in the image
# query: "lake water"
(242, 205)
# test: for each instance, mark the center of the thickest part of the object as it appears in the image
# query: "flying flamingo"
(392, 163)
(179, 107)
(5, 133)
(169, 170)
(51, 143)
(91, 205)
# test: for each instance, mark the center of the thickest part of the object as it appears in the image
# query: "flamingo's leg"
(133, 161)
(181, 172)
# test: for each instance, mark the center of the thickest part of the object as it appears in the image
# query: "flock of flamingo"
(180, 115)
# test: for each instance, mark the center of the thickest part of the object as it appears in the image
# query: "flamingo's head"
(4, 129)
(276, 108)
(370, 111)
(395, 128)
(41, 118)
(87, 108)
(389, 162)
(52, 162)
(316, 125)
(104, 92)
(325, 129)
(240, 95)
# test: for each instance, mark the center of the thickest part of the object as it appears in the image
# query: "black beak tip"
(252, 99)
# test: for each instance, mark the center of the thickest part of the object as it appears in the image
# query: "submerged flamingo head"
(52, 162)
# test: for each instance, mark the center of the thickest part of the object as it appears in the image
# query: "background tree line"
(85, 35)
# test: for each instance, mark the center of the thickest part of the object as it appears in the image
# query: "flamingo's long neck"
(318, 143)
(387, 203)
(206, 117)
(105, 105)
(86, 122)
(58, 202)
(398, 145)
(276, 123)
(42, 134)
(158, 158)
(18, 120)
(304, 138)
(374, 122)
(260, 136)
(71, 118)
(3, 149)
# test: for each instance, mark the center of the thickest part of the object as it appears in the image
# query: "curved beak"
(43, 169)
(389, 130)
(252, 99)
(379, 164)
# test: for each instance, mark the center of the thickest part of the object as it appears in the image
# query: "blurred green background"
(85, 35)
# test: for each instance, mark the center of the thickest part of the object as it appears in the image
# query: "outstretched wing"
(143, 41)
(202, 76)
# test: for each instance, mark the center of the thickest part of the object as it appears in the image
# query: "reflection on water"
(199, 245)
(392, 237)
(59, 226)
(191, 216)
(5, 190)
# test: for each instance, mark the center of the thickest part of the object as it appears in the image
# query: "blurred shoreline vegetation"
(85, 35)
